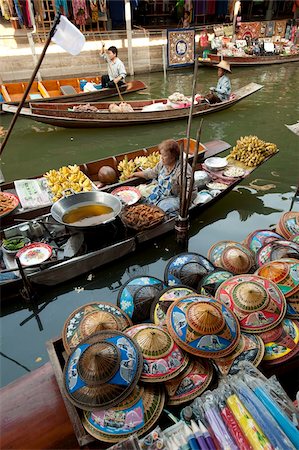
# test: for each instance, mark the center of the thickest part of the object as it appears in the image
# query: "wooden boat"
(61, 114)
(249, 60)
(63, 90)
(114, 246)
(294, 128)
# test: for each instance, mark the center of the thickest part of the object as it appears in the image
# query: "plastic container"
(98, 86)
(82, 84)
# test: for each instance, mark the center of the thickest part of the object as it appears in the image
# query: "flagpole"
(21, 104)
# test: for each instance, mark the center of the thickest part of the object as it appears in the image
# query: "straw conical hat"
(257, 302)
(283, 272)
(136, 414)
(203, 326)
(91, 318)
(102, 370)
(224, 65)
(281, 343)
(191, 383)
(210, 283)
(250, 348)
(296, 239)
(164, 299)
(258, 238)
(136, 296)
(231, 256)
(187, 269)
(162, 358)
(277, 250)
(288, 224)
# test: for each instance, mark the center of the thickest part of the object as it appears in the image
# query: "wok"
(65, 204)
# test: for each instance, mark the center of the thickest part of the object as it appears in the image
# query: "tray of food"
(142, 216)
(8, 203)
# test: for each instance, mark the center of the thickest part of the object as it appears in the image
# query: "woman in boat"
(116, 68)
(222, 91)
(166, 193)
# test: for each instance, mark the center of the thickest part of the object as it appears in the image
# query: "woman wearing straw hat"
(222, 91)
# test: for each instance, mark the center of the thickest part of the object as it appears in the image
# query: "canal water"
(256, 203)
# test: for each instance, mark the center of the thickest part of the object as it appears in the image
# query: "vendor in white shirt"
(116, 68)
(222, 91)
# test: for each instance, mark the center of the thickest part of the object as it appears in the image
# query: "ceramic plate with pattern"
(35, 253)
(281, 343)
(187, 269)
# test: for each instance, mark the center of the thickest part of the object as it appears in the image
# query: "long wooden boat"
(62, 90)
(62, 114)
(249, 60)
(126, 242)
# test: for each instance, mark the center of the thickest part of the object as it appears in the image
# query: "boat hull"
(211, 60)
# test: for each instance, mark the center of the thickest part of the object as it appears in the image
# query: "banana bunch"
(128, 167)
(252, 151)
(69, 177)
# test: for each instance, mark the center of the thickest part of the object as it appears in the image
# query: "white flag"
(68, 37)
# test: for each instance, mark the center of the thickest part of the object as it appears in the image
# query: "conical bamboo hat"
(289, 224)
(187, 269)
(91, 318)
(210, 283)
(258, 238)
(277, 250)
(281, 343)
(162, 358)
(102, 370)
(231, 256)
(136, 414)
(257, 302)
(284, 273)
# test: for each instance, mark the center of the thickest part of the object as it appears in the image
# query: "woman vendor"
(166, 193)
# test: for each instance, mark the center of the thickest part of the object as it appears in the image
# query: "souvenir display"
(277, 250)
(154, 440)
(257, 302)
(162, 358)
(102, 370)
(136, 414)
(164, 299)
(91, 318)
(281, 343)
(256, 240)
(191, 383)
(136, 296)
(203, 326)
(231, 256)
(288, 225)
(187, 269)
(35, 253)
(284, 273)
(210, 283)
(131, 443)
(250, 348)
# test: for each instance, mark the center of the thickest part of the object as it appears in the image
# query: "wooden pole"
(198, 135)
(129, 35)
(21, 104)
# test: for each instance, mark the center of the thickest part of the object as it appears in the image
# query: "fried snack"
(65, 178)
(142, 216)
(7, 203)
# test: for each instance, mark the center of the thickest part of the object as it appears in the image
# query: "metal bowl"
(215, 163)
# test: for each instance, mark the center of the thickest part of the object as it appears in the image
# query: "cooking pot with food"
(86, 210)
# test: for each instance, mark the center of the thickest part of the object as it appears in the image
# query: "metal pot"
(65, 204)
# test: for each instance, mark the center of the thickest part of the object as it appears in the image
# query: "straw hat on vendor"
(222, 91)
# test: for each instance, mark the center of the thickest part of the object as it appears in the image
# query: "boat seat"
(35, 96)
(68, 90)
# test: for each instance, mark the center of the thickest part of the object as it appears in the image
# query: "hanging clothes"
(80, 12)
(27, 12)
(19, 12)
(103, 10)
(61, 6)
(4, 6)
(94, 11)
(210, 7)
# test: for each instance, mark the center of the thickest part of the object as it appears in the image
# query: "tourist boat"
(89, 252)
(63, 90)
(62, 114)
(249, 60)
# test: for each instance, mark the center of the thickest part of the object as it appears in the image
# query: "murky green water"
(34, 148)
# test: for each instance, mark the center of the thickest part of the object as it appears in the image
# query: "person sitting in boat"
(166, 193)
(222, 91)
(116, 68)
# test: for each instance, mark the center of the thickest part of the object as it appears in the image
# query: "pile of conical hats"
(163, 341)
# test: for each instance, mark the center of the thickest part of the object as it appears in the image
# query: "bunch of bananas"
(128, 167)
(252, 151)
(65, 178)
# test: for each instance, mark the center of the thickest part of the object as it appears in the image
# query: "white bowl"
(216, 163)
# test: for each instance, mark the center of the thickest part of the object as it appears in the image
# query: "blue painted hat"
(203, 326)
(187, 269)
(102, 370)
(210, 283)
(136, 296)
(258, 238)
(136, 414)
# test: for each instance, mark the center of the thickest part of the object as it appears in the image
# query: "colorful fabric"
(163, 187)
(4, 6)
(270, 29)
(19, 12)
(180, 47)
(94, 10)
(280, 27)
(61, 5)
(252, 29)
(103, 10)
(80, 12)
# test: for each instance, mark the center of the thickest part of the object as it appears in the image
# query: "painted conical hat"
(136, 296)
(164, 299)
(91, 318)
(289, 224)
(281, 343)
(136, 414)
(210, 283)
(102, 370)
(277, 250)
(162, 358)
(191, 383)
(296, 239)
(283, 272)
(250, 348)
(258, 238)
(203, 326)
(257, 302)
(187, 269)
(231, 256)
